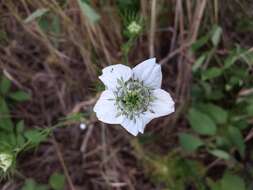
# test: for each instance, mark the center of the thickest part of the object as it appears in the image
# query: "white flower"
(133, 97)
(5, 161)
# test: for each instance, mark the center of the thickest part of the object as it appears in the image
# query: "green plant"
(172, 171)
(13, 137)
(30, 184)
(133, 24)
(228, 182)
(218, 112)
(221, 106)
(55, 182)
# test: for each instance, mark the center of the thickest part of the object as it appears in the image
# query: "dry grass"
(60, 71)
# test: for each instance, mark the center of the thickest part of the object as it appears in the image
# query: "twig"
(65, 170)
(86, 139)
(84, 104)
(152, 29)
(8, 185)
(174, 53)
(199, 10)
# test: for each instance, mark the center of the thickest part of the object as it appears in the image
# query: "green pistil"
(132, 98)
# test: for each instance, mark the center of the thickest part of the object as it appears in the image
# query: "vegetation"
(51, 54)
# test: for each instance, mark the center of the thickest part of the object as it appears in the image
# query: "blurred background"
(51, 54)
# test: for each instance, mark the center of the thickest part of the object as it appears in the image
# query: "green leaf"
(20, 96)
(5, 85)
(237, 139)
(20, 126)
(230, 60)
(201, 122)
(220, 154)
(37, 14)
(218, 114)
(215, 94)
(232, 182)
(57, 181)
(77, 117)
(189, 142)
(211, 73)
(30, 184)
(249, 108)
(5, 117)
(7, 139)
(214, 185)
(56, 29)
(200, 43)
(88, 11)
(238, 53)
(248, 57)
(216, 35)
(20, 140)
(36, 136)
(222, 141)
(198, 63)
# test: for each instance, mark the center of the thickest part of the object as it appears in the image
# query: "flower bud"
(134, 28)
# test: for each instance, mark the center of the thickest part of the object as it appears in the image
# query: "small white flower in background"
(133, 97)
(5, 161)
(134, 27)
(83, 126)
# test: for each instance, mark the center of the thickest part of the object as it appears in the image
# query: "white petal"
(162, 105)
(111, 73)
(145, 120)
(132, 126)
(105, 108)
(149, 72)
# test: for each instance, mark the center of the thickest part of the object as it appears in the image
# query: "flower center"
(132, 98)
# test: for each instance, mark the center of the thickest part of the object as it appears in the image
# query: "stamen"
(132, 98)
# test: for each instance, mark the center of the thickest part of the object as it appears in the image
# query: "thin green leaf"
(200, 43)
(230, 60)
(198, 63)
(5, 118)
(211, 73)
(220, 154)
(216, 35)
(36, 136)
(88, 11)
(20, 96)
(20, 126)
(37, 14)
(237, 139)
(5, 85)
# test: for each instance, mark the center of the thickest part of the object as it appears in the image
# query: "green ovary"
(132, 100)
